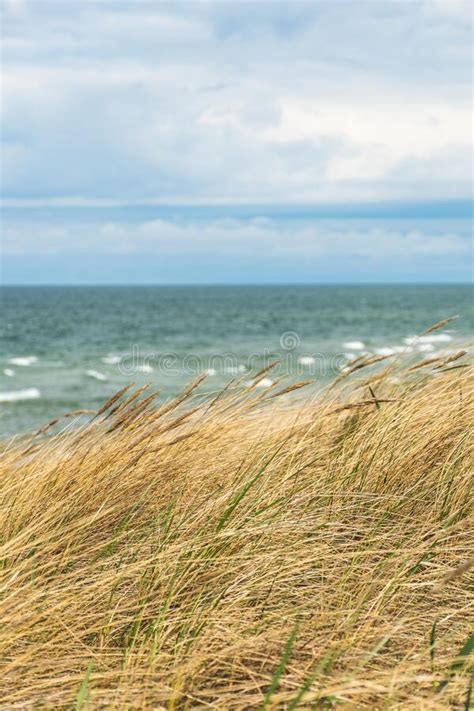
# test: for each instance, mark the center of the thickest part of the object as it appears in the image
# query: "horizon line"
(230, 284)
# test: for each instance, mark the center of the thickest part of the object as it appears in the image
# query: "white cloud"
(15, 8)
(460, 10)
(230, 237)
(375, 135)
(218, 102)
(153, 25)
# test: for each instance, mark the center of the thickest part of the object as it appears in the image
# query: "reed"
(245, 552)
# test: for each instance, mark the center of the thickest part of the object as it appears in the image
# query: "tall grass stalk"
(254, 551)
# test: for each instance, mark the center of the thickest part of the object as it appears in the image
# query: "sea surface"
(68, 348)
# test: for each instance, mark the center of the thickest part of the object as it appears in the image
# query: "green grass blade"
(83, 692)
(280, 668)
(467, 703)
(459, 661)
(322, 666)
(237, 498)
(433, 643)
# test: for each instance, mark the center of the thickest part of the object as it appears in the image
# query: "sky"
(214, 142)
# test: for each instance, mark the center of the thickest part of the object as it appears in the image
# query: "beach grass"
(246, 550)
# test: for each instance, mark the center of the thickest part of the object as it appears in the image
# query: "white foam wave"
(111, 359)
(350, 356)
(9, 372)
(210, 371)
(144, 368)
(24, 361)
(17, 395)
(385, 351)
(354, 345)
(425, 347)
(306, 360)
(430, 338)
(264, 383)
(96, 375)
(390, 350)
(234, 370)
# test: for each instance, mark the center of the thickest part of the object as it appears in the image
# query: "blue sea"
(67, 348)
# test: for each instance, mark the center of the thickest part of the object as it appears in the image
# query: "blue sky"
(212, 141)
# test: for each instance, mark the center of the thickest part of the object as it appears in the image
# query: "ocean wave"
(23, 360)
(425, 347)
(17, 395)
(111, 359)
(430, 338)
(385, 351)
(264, 383)
(354, 345)
(235, 369)
(390, 350)
(306, 360)
(9, 372)
(144, 368)
(96, 375)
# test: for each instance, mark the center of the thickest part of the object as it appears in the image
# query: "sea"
(69, 348)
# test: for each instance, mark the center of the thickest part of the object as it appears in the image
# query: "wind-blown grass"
(241, 553)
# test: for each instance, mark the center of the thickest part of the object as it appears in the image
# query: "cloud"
(224, 102)
(230, 237)
(458, 10)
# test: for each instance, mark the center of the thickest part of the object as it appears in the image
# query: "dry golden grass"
(239, 553)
